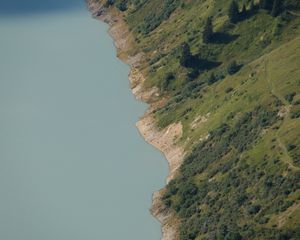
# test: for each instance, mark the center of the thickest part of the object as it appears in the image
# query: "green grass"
(219, 170)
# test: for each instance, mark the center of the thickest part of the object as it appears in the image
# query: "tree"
(185, 55)
(212, 79)
(243, 13)
(276, 9)
(122, 6)
(208, 31)
(109, 3)
(233, 12)
(232, 68)
(166, 81)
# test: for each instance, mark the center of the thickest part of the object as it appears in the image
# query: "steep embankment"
(164, 140)
(222, 82)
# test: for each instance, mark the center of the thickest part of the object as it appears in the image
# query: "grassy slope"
(265, 171)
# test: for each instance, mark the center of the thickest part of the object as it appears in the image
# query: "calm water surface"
(72, 164)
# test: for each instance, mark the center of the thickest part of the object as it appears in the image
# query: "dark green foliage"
(277, 7)
(167, 80)
(250, 124)
(212, 79)
(229, 194)
(290, 147)
(243, 13)
(295, 114)
(289, 97)
(185, 55)
(122, 6)
(154, 19)
(253, 209)
(208, 31)
(233, 67)
(226, 187)
(109, 3)
(193, 74)
(233, 12)
(297, 102)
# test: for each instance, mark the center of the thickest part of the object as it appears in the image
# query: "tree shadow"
(196, 62)
(248, 14)
(223, 38)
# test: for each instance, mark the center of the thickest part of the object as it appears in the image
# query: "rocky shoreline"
(164, 140)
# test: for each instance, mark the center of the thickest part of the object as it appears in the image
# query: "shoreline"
(164, 140)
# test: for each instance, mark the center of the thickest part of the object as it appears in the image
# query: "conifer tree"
(185, 55)
(243, 13)
(233, 12)
(212, 79)
(208, 31)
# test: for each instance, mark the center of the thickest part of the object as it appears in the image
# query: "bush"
(289, 97)
(185, 55)
(212, 79)
(290, 147)
(220, 154)
(122, 6)
(297, 102)
(167, 80)
(253, 209)
(295, 114)
(233, 68)
(109, 3)
(153, 20)
(193, 74)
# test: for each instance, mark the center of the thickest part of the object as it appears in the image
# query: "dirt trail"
(284, 113)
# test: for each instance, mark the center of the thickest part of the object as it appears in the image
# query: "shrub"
(253, 209)
(153, 20)
(167, 80)
(290, 147)
(193, 74)
(289, 97)
(212, 79)
(109, 3)
(297, 102)
(233, 68)
(185, 55)
(295, 114)
(122, 6)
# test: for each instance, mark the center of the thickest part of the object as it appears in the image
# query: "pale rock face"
(164, 140)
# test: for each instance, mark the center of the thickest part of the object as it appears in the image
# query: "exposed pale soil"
(165, 140)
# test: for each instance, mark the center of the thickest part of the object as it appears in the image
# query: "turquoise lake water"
(72, 164)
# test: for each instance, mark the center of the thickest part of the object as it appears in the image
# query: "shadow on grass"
(196, 62)
(223, 38)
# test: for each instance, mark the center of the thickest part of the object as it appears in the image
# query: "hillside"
(229, 73)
